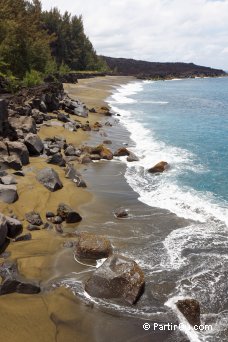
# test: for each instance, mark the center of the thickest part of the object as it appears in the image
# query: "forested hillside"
(35, 43)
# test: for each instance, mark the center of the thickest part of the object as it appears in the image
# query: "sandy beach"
(38, 318)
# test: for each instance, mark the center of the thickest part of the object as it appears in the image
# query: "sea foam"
(162, 191)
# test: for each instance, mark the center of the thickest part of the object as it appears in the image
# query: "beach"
(152, 236)
(52, 315)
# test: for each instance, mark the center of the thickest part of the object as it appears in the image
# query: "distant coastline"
(159, 71)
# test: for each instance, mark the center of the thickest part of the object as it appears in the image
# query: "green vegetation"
(36, 43)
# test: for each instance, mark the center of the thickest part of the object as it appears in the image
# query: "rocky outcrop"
(117, 277)
(159, 167)
(34, 144)
(91, 246)
(68, 214)
(50, 179)
(190, 308)
(8, 193)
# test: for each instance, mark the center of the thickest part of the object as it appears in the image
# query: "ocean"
(185, 123)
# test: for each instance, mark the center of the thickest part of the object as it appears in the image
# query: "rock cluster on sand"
(117, 277)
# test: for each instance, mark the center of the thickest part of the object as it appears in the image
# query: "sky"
(155, 30)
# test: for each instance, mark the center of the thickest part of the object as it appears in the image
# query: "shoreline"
(45, 259)
(36, 259)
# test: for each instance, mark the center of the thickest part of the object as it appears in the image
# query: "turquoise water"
(184, 122)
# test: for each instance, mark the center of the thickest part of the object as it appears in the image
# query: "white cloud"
(156, 30)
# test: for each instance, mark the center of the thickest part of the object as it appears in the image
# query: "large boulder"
(10, 162)
(117, 277)
(50, 179)
(24, 123)
(19, 149)
(34, 144)
(8, 193)
(190, 308)
(92, 246)
(14, 227)
(159, 167)
(68, 214)
(3, 230)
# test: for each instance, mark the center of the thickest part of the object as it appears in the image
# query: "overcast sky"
(155, 30)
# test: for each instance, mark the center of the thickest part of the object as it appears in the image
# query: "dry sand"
(34, 318)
